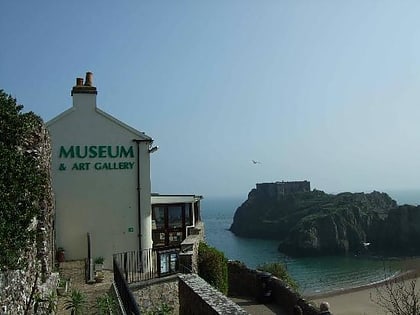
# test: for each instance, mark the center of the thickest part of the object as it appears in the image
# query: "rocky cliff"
(316, 223)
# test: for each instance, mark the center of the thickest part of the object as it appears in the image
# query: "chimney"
(84, 93)
(86, 88)
(89, 79)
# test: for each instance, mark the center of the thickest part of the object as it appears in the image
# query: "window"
(168, 224)
(168, 262)
(175, 216)
(159, 216)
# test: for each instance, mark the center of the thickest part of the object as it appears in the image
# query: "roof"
(163, 199)
(141, 135)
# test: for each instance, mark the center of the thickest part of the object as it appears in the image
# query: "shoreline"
(410, 265)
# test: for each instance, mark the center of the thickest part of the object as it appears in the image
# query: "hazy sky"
(327, 91)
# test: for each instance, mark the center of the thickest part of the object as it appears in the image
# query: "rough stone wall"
(151, 296)
(245, 282)
(188, 257)
(23, 291)
(287, 298)
(242, 281)
(196, 296)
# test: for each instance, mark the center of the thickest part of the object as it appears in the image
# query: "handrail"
(127, 298)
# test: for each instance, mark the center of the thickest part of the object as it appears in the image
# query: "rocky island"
(312, 222)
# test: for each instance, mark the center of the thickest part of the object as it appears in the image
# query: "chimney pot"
(79, 81)
(89, 79)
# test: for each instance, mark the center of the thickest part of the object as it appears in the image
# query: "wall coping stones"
(215, 299)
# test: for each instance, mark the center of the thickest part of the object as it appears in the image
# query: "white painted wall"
(101, 202)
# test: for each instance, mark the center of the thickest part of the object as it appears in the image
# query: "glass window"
(174, 217)
(168, 262)
(175, 237)
(188, 218)
(164, 263)
(158, 239)
(159, 215)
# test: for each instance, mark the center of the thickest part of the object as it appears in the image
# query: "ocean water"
(313, 274)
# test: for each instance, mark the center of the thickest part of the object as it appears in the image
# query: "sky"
(325, 91)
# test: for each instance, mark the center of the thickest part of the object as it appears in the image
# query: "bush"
(279, 271)
(76, 302)
(212, 267)
(105, 304)
(23, 182)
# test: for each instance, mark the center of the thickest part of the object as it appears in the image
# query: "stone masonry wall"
(188, 257)
(24, 291)
(196, 296)
(246, 282)
(242, 281)
(151, 296)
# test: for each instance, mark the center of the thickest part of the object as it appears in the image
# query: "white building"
(101, 182)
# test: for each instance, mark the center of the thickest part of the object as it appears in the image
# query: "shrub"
(23, 182)
(76, 302)
(279, 271)
(105, 304)
(212, 267)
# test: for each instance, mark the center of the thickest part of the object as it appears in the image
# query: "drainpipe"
(137, 141)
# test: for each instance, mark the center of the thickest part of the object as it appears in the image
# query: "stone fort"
(282, 188)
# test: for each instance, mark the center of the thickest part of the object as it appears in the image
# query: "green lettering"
(75, 167)
(117, 151)
(128, 153)
(92, 152)
(78, 153)
(102, 151)
(98, 166)
(66, 154)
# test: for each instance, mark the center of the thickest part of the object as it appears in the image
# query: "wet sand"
(355, 301)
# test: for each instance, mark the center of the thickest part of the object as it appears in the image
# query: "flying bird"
(256, 162)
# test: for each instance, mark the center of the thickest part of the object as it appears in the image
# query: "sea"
(315, 275)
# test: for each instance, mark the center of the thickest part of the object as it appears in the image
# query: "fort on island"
(282, 188)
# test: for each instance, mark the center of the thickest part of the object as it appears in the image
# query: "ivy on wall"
(23, 182)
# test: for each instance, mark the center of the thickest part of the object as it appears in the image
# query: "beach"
(355, 301)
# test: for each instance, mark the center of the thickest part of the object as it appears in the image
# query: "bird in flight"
(256, 162)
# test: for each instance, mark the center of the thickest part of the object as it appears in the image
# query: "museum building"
(102, 187)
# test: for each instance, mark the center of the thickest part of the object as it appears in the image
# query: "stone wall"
(24, 291)
(196, 296)
(242, 281)
(153, 295)
(247, 282)
(188, 256)
(277, 189)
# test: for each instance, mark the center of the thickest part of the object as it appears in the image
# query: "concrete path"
(254, 308)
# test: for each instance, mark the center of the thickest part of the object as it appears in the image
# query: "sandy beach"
(358, 300)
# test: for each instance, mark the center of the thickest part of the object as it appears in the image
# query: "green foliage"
(279, 271)
(22, 182)
(212, 267)
(106, 304)
(162, 309)
(76, 302)
(49, 302)
(99, 260)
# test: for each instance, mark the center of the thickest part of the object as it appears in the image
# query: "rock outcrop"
(316, 223)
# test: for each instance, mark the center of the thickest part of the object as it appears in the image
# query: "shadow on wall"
(245, 282)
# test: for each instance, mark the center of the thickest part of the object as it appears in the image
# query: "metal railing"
(127, 298)
(138, 266)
